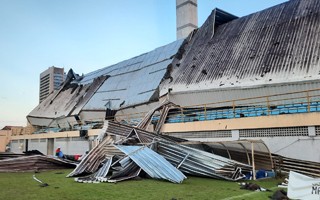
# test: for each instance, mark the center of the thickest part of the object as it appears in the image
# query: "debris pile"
(33, 163)
(279, 195)
(137, 152)
(285, 165)
(7, 155)
(252, 187)
(201, 163)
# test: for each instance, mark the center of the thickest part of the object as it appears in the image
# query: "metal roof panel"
(152, 163)
(276, 45)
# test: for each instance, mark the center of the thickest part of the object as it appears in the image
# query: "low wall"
(4, 139)
(69, 142)
(295, 142)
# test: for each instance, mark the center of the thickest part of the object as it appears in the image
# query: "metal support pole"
(253, 163)
(205, 111)
(268, 105)
(234, 109)
(248, 157)
(308, 100)
(182, 116)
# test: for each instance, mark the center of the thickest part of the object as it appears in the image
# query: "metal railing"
(287, 103)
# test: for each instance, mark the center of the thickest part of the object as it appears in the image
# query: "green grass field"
(22, 186)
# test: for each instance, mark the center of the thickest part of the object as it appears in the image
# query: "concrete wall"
(295, 135)
(298, 147)
(306, 148)
(38, 144)
(5, 136)
(72, 145)
(69, 142)
(17, 146)
(300, 142)
(3, 143)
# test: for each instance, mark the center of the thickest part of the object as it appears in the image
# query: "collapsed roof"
(277, 45)
(159, 156)
(128, 83)
(64, 103)
(134, 81)
(32, 163)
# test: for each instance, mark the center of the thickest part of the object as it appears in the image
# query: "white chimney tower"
(187, 17)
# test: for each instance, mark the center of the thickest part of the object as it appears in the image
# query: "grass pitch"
(22, 186)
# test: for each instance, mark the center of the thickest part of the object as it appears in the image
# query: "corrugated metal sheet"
(276, 45)
(142, 135)
(187, 159)
(127, 83)
(33, 163)
(152, 163)
(200, 163)
(128, 171)
(103, 171)
(66, 102)
(146, 60)
(133, 81)
(91, 162)
(286, 164)
(241, 151)
(222, 17)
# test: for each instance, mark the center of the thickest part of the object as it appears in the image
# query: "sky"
(83, 35)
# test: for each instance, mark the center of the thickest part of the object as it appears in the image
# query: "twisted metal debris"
(139, 152)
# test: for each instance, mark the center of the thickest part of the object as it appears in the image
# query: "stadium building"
(254, 77)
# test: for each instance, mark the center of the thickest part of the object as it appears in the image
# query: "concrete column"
(311, 131)
(187, 17)
(235, 134)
